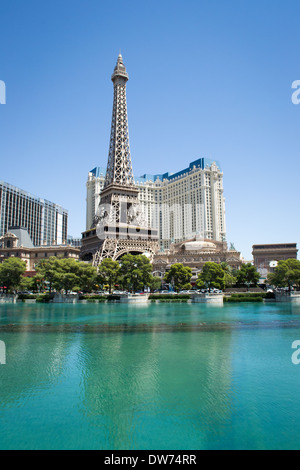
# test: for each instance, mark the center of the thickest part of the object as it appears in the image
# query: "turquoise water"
(162, 376)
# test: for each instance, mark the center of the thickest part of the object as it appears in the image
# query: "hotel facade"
(45, 221)
(180, 206)
(17, 244)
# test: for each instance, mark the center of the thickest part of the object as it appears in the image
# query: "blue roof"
(98, 171)
(201, 163)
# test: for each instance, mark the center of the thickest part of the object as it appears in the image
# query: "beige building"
(266, 257)
(177, 205)
(195, 253)
(17, 243)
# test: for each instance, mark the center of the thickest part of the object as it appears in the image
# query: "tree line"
(134, 273)
(212, 276)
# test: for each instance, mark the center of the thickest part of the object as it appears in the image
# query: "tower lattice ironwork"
(119, 167)
(119, 223)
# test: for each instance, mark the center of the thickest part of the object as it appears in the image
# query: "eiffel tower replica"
(119, 226)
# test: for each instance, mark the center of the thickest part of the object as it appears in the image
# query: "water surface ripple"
(153, 377)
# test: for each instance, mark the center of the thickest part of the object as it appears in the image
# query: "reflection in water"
(93, 317)
(129, 389)
(153, 384)
(32, 364)
(173, 377)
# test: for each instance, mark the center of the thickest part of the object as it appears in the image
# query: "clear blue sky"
(208, 78)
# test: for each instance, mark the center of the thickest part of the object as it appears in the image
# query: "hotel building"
(17, 244)
(46, 222)
(180, 206)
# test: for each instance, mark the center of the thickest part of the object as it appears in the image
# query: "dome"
(199, 246)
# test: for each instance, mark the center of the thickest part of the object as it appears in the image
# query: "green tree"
(180, 276)
(87, 277)
(247, 275)
(135, 272)
(66, 281)
(68, 266)
(47, 271)
(286, 274)
(66, 274)
(38, 284)
(229, 279)
(27, 284)
(212, 276)
(155, 283)
(108, 273)
(226, 267)
(11, 272)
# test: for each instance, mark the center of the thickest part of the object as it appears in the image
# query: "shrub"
(249, 294)
(27, 296)
(113, 297)
(270, 295)
(44, 298)
(243, 298)
(101, 298)
(169, 296)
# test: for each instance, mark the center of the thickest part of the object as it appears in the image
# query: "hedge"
(249, 294)
(44, 298)
(270, 295)
(244, 298)
(93, 297)
(112, 297)
(169, 296)
(27, 296)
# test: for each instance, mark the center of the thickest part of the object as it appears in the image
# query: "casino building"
(181, 215)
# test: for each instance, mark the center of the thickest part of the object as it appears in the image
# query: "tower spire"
(119, 167)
